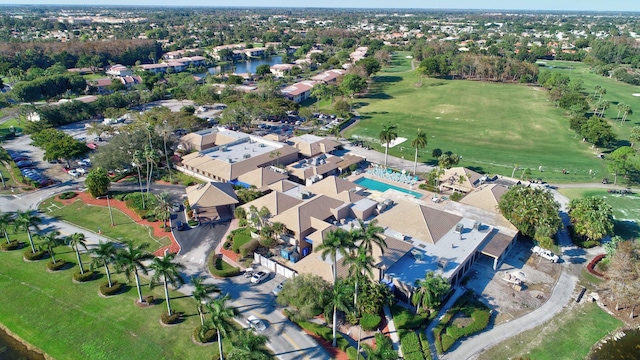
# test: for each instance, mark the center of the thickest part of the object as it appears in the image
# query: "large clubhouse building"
(424, 232)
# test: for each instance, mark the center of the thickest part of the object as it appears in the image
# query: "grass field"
(626, 209)
(492, 126)
(71, 321)
(617, 92)
(94, 217)
(568, 336)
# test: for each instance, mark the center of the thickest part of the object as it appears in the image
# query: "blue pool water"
(382, 187)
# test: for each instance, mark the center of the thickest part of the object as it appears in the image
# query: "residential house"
(299, 91)
(118, 70)
(280, 70)
(329, 76)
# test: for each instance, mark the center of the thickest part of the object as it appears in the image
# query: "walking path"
(458, 291)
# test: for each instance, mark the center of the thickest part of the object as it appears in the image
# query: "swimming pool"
(382, 187)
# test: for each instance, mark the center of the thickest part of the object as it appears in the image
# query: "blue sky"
(609, 5)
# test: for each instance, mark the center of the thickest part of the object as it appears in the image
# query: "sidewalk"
(391, 330)
(432, 341)
(227, 254)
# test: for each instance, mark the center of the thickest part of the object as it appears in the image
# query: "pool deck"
(379, 195)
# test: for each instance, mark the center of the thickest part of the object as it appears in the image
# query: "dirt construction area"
(506, 300)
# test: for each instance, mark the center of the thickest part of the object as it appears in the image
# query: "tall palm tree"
(163, 206)
(170, 272)
(370, 234)
(387, 135)
(221, 317)
(336, 242)
(418, 143)
(5, 159)
(249, 346)
(339, 301)
(49, 241)
(103, 255)
(6, 221)
(166, 130)
(130, 260)
(360, 263)
(25, 220)
(627, 111)
(151, 156)
(383, 350)
(201, 294)
(138, 159)
(76, 241)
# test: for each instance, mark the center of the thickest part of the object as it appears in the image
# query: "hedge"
(239, 237)
(33, 256)
(405, 319)
(446, 334)
(413, 356)
(424, 343)
(222, 268)
(204, 337)
(57, 266)
(13, 245)
(68, 195)
(87, 276)
(351, 353)
(410, 344)
(370, 322)
(249, 247)
(108, 291)
(170, 319)
(325, 333)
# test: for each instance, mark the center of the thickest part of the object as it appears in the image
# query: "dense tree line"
(48, 87)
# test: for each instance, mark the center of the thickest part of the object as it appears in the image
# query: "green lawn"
(492, 126)
(626, 209)
(617, 92)
(568, 336)
(94, 76)
(94, 217)
(71, 321)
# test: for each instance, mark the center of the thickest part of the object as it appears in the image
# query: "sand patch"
(396, 141)
(636, 94)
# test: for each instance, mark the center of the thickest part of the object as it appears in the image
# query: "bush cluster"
(149, 299)
(68, 195)
(193, 223)
(249, 247)
(351, 353)
(579, 241)
(238, 238)
(57, 266)
(12, 245)
(325, 333)
(221, 268)
(446, 335)
(410, 344)
(170, 319)
(370, 322)
(204, 336)
(108, 291)
(87, 276)
(33, 256)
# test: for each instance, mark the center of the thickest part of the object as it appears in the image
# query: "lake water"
(627, 348)
(249, 66)
(11, 349)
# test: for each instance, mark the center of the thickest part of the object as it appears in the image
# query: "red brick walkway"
(159, 232)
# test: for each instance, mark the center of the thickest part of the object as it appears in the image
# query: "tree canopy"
(533, 211)
(591, 217)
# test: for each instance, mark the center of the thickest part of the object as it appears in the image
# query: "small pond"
(625, 348)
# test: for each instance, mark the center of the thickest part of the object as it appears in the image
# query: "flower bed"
(592, 264)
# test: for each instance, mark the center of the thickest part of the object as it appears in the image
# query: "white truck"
(547, 254)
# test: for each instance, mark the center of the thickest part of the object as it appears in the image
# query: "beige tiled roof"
(283, 185)
(418, 221)
(451, 178)
(211, 194)
(275, 201)
(298, 218)
(313, 145)
(485, 197)
(262, 177)
(331, 186)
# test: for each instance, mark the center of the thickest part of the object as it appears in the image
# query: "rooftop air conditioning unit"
(224, 148)
(262, 145)
(477, 225)
(459, 228)
(246, 156)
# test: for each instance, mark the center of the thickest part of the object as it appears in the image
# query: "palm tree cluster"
(356, 247)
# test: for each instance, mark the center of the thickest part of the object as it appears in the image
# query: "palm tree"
(130, 261)
(163, 206)
(49, 241)
(103, 255)
(339, 301)
(383, 350)
(6, 221)
(360, 262)
(430, 290)
(151, 156)
(170, 272)
(368, 235)
(138, 159)
(75, 241)
(24, 220)
(387, 135)
(201, 292)
(5, 159)
(620, 107)
(221, 317)
(166, 130)
(418, 143)
(336, 242)
(249, 346)
(627, 111)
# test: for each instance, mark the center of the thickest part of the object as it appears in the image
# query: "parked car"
(25, 163)
(259, 276)
(248, 273)
(176, 207)
(179, 225)
(73, 173)
(81, 171)
(255, 323)
(547, 254)
(276, 290)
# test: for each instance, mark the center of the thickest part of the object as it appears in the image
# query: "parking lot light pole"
(110, 212)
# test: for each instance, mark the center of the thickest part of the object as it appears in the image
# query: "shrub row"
(351, 353)
(446, 335)
(59, 264)
(108, 291)
(204, 336)
(410, 345)
(68, 195)
(370, 322)
(33, 256)
(170, 319)
(87, 276)
(405, 319)
(221, 268)
(249, 247)
(424, 343)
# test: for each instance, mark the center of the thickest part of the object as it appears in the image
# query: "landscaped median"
(411, 330)
(467, 316)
